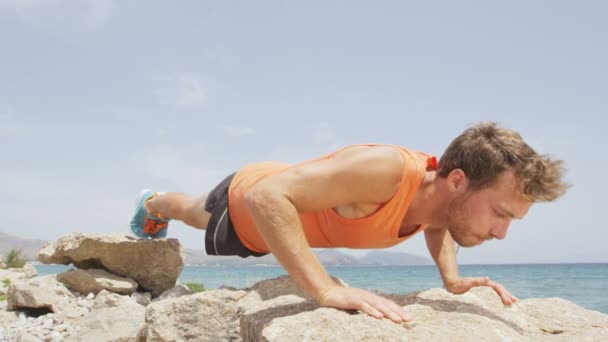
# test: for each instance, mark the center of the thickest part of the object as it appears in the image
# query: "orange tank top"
(326, 228)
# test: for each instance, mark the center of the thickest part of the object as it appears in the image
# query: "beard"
(458, 225)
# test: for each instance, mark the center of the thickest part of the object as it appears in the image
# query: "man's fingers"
(370, 310)
(505, 296)
(398, 310)
(387, 308)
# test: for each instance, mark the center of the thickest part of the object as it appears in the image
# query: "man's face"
(479, 215)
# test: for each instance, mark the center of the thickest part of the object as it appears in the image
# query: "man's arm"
(357, 175)
(441, 246)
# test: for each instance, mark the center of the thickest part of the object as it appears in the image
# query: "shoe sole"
(136, 207)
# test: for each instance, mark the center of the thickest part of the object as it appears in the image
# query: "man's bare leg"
(181, 207)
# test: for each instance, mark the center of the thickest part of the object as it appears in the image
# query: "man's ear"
(457, 181)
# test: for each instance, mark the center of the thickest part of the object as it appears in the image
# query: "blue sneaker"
(144, 224)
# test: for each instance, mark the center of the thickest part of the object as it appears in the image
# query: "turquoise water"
(583, 284)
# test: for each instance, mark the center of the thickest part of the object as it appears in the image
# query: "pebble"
(50, 327)
(55, 336)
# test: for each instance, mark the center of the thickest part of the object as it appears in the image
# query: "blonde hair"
(485, 150)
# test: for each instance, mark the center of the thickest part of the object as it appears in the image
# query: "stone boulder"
(6, 319)
(29, 270)
(176, 292)
(43, 293)
(283, 285)
(203, 316)
(154, 264)
(272, 310)
(438, 316)
(11, 275)
(120, 323)
(142, 298)
(95, 280)
(111, 300)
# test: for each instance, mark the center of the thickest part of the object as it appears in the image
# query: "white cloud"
(99, 11)
(237, 132)
(190, 91)
(19, 6)
(182, 167)
(11, 127)
(52, 14)
(183, 89)
(323, 134)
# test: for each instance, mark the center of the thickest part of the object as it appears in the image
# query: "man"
(367, 196)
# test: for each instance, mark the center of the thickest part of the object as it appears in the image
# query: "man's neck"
(428, 204)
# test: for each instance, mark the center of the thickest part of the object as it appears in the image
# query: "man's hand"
(357, 299)
(462, 285)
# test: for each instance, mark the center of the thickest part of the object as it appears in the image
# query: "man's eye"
(499, 214)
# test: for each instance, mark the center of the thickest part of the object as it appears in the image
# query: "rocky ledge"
(105, 300)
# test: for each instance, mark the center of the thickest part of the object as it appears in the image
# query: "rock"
(56, 336)
(111, 301)
(12, 274)
(273, 310)
(7, 319)
(438, 315)
(142, 298)
(204, 316)
(176, 292)
(95, 280)
(153, 263)
(110, 324)
(283, 285)
(39, 293)
(103, 293)
(29, 270)
(27, 337)
(2, 265)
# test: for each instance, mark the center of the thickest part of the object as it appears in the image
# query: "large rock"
(176, 292)
(274, 310)
(110, 324)
(27, 271)
(438, 316)
(95, 280)
(204, 316)
(7, 278)
(111, 300)
(7, 318)
(154, 263)
(40, 293)
(283, 285)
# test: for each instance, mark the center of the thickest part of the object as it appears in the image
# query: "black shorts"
(220, 237)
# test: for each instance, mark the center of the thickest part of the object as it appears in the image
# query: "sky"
(101, 98)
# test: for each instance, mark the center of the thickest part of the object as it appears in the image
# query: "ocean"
(583, 284)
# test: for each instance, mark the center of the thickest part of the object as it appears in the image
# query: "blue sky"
(101, 98)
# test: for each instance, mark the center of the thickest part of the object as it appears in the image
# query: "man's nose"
(500, 231)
